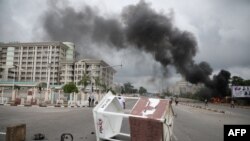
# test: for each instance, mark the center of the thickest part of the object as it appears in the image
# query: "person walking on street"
(176, 101)
(89, 99)
(206, 102)
(121, 101)
(232, 103)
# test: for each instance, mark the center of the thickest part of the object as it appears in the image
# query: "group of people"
(176, 100)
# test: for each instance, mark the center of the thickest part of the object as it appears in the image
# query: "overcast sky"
(221, 28)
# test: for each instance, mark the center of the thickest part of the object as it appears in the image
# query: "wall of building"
(33, 61)
(184, 87)
(50, 62)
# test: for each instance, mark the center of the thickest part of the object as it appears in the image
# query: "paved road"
(195, 124)
(50, 121)
(191, 124)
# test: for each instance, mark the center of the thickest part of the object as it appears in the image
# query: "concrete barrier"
(16, 132)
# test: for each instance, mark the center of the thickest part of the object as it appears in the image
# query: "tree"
(128, 87)
(134, 90)
(70, 88)
(122, 90)
(104, 87)
(40, 86)
(247, 82)
(142, 90)
(236, 80)
(97, 82)
(85, 81)
(16, 87)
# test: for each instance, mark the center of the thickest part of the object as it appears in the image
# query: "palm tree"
(104, 87)
(97, 83)
(40, 87)
(85, 81)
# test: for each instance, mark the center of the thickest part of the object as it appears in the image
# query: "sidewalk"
(47, 106)
(218, 107)
(203, 107)
(228, 105)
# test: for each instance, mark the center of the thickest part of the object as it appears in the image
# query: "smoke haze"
(138, 26)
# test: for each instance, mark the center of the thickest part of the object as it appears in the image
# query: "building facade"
(74, 71)
(184, 87)
(50, 62)
(34, 62)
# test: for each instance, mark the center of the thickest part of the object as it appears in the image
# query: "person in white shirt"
(121, 101)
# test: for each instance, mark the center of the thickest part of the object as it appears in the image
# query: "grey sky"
(220, 28)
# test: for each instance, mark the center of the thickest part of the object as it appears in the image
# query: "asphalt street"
(52, 122)
(196, 124)
(190, 124)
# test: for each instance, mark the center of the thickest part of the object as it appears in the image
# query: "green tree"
(85, 81)
(70, 88)
(122, 90)
(41, 86)
(98, 83)
(142, 90)
(104, 87)
(236, 80)
(128, 87)
(247, 82)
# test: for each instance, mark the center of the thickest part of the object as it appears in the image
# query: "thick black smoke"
(139, 26)
(154, 33)
(84, 28)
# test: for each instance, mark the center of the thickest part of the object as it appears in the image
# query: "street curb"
(50, 106)
(236, 106)
(205, 108)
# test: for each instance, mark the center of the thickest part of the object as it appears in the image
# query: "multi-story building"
(50, 62)
(34, 62)
(184, 87)
(74, 71)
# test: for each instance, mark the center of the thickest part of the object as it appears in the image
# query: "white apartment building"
(184, 87)
(49, 62)
(34, 62)
(74, 71)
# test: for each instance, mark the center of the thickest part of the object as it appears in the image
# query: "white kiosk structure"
(150, 119)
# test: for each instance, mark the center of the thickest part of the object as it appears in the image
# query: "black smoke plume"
(138, 26)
